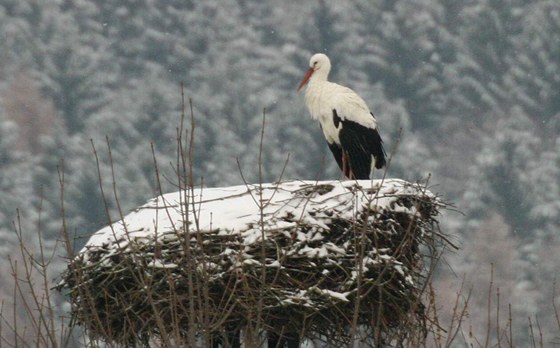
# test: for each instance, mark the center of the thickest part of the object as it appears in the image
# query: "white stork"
(349, 127)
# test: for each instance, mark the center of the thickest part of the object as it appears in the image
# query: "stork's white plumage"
(349, 127)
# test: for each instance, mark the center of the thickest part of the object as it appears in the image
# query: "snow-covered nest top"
(297, 252)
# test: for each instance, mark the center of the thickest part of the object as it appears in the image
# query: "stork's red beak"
(305, 78)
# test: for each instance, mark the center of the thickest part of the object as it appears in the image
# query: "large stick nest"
(305, 258)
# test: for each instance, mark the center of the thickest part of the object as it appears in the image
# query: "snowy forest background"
(474, 85)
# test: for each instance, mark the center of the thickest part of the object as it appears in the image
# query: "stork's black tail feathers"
(359, 144)
(378, 152)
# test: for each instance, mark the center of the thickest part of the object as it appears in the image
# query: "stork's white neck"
(316, 87)
(318, 95)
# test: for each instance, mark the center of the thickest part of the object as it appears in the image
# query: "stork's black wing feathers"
(360, 143)
(377, 150)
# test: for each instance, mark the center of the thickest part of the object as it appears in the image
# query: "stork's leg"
(346, 167)
(344, 164)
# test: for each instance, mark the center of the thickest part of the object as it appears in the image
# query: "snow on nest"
(316, 246)
(245, 209)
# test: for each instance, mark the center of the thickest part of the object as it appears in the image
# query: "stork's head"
(319, 68)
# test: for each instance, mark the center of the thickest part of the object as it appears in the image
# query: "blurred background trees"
(474, 86)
